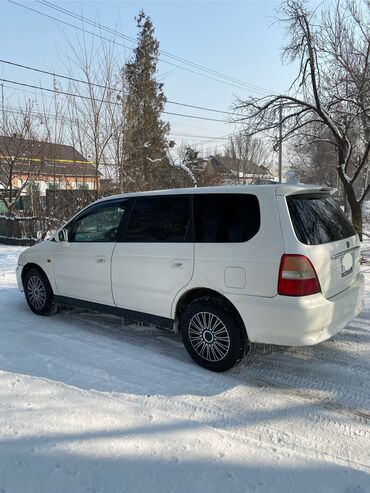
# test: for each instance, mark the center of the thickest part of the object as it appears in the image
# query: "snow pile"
(88, 404)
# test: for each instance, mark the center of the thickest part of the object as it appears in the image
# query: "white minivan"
(226, 266)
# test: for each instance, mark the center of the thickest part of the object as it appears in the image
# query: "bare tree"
(332, 89)
(97, 107)
(115, 149)
(246, 157)
(21, 155)
(314, 162)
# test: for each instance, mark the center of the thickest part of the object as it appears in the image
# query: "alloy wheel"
(209, 336)
(36, 292)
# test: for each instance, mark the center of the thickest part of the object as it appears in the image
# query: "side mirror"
(63, 235)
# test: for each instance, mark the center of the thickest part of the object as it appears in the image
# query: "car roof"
(260, 190)
(270, 189)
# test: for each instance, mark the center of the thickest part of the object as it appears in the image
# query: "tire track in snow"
(309, 439)
(331, 395)
(317, 399)
(336, 358)
(347, 383)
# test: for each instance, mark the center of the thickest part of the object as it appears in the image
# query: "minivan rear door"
(154, 257)
(320, 230)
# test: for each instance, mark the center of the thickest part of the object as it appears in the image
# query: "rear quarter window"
(226, 218)
(318, 219)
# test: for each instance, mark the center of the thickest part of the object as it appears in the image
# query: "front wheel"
(212, 334)
(39, 294)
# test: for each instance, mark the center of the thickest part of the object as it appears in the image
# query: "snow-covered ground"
(88, 404)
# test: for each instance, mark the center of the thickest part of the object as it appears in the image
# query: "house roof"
(37, 149)
(249, 167)
(46, 158)
(58, 169)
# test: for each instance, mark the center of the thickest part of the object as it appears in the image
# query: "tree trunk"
(355, 205)
(356, 209)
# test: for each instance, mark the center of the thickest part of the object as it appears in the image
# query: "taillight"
(297, 276)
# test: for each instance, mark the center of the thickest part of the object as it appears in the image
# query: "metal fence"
(22, 227)
(25, 230)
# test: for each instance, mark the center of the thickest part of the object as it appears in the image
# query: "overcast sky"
(237, 38)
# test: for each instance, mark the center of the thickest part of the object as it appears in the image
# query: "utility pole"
(2, 103)
(280, 141)
(31, 186)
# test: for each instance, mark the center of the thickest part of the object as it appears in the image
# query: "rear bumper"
(303, 321)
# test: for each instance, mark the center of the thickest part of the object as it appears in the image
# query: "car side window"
(159, 219)
(100, 224)
(226, 218)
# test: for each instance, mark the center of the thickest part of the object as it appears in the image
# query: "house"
(44, 166)
(240, 170)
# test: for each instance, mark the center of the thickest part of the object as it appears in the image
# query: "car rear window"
(318, 219)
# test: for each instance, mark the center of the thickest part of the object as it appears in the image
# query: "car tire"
(39, 294)
(212, 334)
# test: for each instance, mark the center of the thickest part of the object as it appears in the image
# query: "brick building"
(44, 166)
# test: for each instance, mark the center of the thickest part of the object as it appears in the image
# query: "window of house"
(159, 219)
(226, 218)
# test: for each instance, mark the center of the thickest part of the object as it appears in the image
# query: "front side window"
(226, 217)
(99, 225)
(159, 219)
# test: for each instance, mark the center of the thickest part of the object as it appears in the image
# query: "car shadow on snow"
(324, 367)
(139, 460)
(94, 351)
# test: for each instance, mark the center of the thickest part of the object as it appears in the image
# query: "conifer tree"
(145, 136)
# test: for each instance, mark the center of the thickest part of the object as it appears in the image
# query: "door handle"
(100, 260)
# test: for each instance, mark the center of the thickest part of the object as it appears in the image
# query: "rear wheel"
(212, 334)
(39, 294)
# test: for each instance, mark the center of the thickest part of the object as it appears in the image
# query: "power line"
(208, 142)
(63, 119)
(245, 85)
(101, 86)
(133, 40)
(54, 74)
(80, 96)
(208, 137)
(76, 120)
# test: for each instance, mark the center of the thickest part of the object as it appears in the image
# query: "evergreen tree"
(193, 160)
(145, 136)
